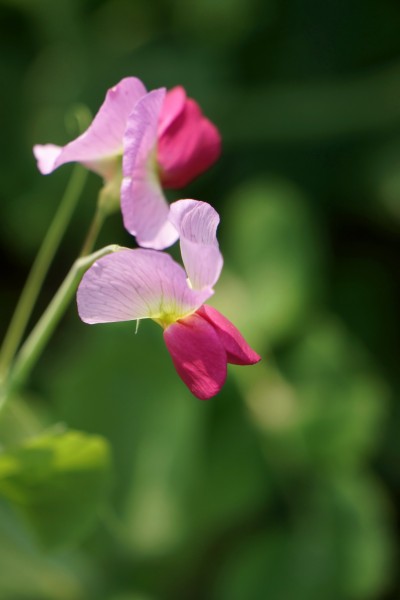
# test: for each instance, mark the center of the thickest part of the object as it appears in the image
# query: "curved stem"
(94, 230)
(107, 202)
(40, 268)
(37, 339)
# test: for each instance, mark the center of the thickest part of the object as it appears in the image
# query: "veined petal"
(136, 284)
(197, 224)
(188, 142)
(103, 138)
(198, 355)
(145, 212)
(140, 137)
(237, 349)
(144, 208)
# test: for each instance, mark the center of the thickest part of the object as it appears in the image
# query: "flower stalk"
(36, 341)
(40, 268)
(107, 203)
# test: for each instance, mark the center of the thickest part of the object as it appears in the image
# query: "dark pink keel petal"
(237, 349)
(188, 143)
(173, 106)
(198, 355)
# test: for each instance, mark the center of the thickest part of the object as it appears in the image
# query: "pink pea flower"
(100, 147)
(165, 142)
(143, 283)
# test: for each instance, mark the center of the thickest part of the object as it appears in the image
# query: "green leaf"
(57, 481)
(335, 544)
(342, 398)
(275, 248)
(28, 573)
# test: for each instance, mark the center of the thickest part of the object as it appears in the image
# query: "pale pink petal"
(104, 137)
(140, 137)
(145, 212)
(46, 157)
(136, 284)
(237, 349)
(197, 224)
(198, 355)
(188, 142)
(144, 208)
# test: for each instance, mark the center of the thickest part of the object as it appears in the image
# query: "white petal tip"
(46, 156)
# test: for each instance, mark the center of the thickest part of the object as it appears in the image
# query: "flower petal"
(144, 208)
(197, 224)
(46, 156)
(136, 284)
(103, 138)
(237, 349)
(188, 142)
(198, 355)
(145, 212)
(173, 106)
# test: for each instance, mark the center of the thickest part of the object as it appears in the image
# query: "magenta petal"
(237, 349)
(197, 224)
(188, 142)
(136, 284)
(104, 137)
(174, 104)
(144, 208)
(198, 355)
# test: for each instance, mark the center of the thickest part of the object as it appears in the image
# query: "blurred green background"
(287, 485)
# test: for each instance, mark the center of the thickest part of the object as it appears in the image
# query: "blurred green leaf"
(26, 573)
(336, 545)
(57, 481)
(210, 18)
(341, 397)
(131, 596)
(276, 249)
(155, 425)
(19, 422)
(232, 454)
(326, 108)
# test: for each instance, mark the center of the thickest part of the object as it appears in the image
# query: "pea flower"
(165, 141)
(145, 283)
(100, 147)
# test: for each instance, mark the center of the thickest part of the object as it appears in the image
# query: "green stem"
(37, 339)
(107, 202)
(40, 268)
(94, 230)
